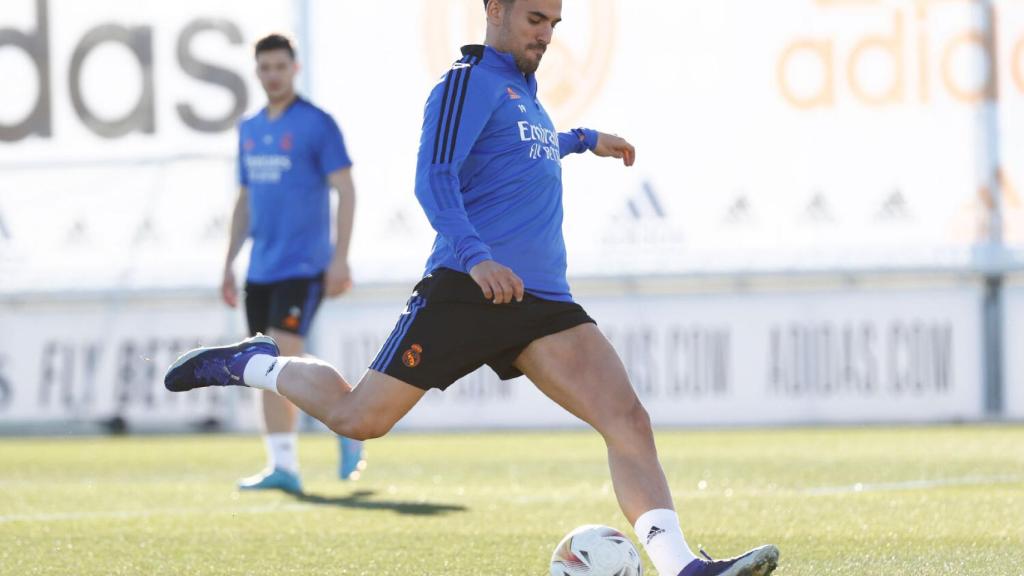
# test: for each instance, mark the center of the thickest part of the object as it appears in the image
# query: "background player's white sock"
(262, 371)
(283, 451)
(658, 530)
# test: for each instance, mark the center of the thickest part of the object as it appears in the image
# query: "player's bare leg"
(367, 411)
(579, 369)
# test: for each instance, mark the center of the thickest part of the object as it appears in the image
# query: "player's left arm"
(580, 140)
(339, 276)
(336, 165)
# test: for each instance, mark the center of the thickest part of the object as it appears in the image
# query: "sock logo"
(272, 365)
(654, 532)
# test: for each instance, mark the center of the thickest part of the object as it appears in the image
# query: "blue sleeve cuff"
(587, 137)
(339, 165)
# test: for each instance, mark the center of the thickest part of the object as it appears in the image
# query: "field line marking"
(127, 514)
(913, 485)
(299, 506)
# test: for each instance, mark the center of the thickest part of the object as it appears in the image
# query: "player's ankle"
(283, 451)
(659, 532)
(262, 371)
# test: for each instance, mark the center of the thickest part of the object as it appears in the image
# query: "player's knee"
(639, 419)
(359, 426)
(368, 430)
(629, 422)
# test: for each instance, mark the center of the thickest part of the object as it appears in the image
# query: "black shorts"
(288, 305)
(449, 329)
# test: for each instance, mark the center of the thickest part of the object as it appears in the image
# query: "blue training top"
(284, 164)
(489, 172)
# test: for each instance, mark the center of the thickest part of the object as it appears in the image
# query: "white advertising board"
(835, 356)
(93, 361)
(1013, 345)
(887, 356)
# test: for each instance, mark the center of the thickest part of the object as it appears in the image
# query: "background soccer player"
(290, 155)
(489, 177)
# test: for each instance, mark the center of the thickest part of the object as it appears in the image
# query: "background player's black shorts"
(449, 329)
(288, 305)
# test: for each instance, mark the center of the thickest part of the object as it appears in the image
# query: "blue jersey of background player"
(290, 155)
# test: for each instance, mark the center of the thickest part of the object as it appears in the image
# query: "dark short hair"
(275, 42)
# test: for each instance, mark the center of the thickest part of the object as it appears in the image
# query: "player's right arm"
(457, 110)
(239, 230)
(239, 233)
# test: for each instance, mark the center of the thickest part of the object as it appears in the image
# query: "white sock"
(283, 451)
(659, 532)
(262, 371)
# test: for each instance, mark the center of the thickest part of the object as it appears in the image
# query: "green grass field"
(858, 502)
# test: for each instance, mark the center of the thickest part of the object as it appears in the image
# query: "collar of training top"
(503, 61)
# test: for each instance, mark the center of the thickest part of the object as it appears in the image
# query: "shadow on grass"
(361, 500)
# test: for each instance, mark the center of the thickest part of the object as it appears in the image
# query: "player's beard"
(280, 94)
(523, 61)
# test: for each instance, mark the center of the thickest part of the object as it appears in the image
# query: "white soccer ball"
(596, 551)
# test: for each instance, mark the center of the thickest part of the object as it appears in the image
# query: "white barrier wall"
(1013, 348)
(818, 356)
(827, 355)
(86, 361)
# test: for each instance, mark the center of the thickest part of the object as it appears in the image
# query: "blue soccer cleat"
(758, 562)
(353, 458)
(276, 479)
(216, 365)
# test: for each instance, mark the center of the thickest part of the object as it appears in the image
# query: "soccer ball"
(595, 551)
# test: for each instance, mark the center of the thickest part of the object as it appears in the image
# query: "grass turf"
(857, 502)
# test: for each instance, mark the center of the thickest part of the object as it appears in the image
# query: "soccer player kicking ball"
(489, 177)
(290, 154)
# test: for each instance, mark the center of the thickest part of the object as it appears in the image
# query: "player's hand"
(499, 283)
(338, 279)
(611, 146)
(229, 288)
